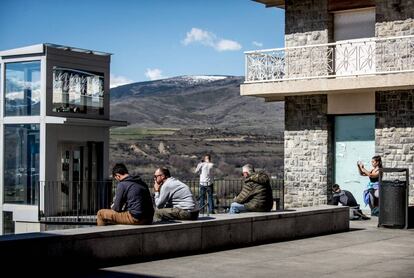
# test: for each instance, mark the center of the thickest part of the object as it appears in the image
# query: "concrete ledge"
(109, 245)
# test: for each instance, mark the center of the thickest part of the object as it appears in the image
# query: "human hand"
(157, 187)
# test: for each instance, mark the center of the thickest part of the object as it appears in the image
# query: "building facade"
(346, 76)
(54, 132)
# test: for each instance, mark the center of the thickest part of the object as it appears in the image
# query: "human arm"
(361, 169)
(245, 194)
(161, 196)
(198, 168)
(374, 173)
(119, 200)
(334, 201)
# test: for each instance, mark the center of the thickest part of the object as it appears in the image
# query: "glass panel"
(76, 91)
(21, 163)
(22, 89)
(8, 223)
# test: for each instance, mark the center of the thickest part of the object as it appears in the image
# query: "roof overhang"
(37, 49)
(272, 3)
(85, 122)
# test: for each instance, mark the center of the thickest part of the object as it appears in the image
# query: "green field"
(132, 133)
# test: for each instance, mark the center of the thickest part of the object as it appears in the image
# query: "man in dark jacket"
(345, 198)
(256, 194)
(132, 204)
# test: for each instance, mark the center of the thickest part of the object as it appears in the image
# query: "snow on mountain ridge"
(196, 79)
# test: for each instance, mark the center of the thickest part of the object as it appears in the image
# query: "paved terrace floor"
(366, 251)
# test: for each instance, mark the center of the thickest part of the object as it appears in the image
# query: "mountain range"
(195, 102)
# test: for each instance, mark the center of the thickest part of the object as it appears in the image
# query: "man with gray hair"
(256, 194)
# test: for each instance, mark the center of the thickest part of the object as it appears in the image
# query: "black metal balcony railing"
(78, 202)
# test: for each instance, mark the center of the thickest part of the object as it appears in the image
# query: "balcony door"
(354, 141)
(353, 53)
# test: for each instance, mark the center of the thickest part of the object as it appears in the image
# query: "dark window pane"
(21, 163)
(8, 223)
(76, 91)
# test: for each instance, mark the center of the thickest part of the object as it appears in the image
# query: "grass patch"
(124, 133)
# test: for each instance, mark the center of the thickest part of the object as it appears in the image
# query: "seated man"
(132, 203)
(173, 199)
(256, 194)
(345, 198)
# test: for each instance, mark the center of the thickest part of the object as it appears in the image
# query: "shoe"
(364, 217)
(375, 211)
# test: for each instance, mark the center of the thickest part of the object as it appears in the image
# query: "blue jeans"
(237, 208)
(209, 190)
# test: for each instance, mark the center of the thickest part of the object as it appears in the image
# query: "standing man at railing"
(205, 170)
(256, 194)
(132, 204)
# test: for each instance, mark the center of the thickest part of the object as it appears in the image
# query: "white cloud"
(258, 44)
(198, 35)
(153, 74)
(210, 39)
(227, 45)
(117, 80)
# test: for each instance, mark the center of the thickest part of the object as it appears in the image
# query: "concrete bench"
(110, 245)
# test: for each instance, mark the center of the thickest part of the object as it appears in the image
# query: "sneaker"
(375, 212)
(364, 217)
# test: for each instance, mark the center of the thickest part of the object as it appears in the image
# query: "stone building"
(346, 76)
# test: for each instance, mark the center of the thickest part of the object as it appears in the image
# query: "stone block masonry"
(394, 131)
(306, 151)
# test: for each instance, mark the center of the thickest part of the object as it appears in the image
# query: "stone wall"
(307, 157)
(307, 22)
(394, 17)
(394, 132)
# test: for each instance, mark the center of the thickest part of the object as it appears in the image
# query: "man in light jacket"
(173, 199)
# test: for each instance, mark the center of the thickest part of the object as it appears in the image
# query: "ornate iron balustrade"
(346, 58)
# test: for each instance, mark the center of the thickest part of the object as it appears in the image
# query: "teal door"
(354, 140)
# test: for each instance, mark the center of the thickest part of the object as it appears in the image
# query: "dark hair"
(119, 168)
(208, 156)
(335, 187)
(165, 172)
(377, 158)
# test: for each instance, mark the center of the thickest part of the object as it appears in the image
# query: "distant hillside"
(195, 102)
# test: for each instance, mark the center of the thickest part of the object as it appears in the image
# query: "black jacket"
(133, 195)
(345, 198)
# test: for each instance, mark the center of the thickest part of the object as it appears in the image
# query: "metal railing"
(346, 58)
(73, 201)
(78, 202)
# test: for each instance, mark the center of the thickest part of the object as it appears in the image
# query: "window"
(354, 24)
(76, 91)
(21, 163)
(8, 223)
(22, 89)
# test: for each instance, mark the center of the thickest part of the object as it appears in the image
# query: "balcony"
(346, 66)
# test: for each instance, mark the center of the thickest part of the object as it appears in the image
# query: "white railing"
(345, 58)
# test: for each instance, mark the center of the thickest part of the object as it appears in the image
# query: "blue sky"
(149, 39)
